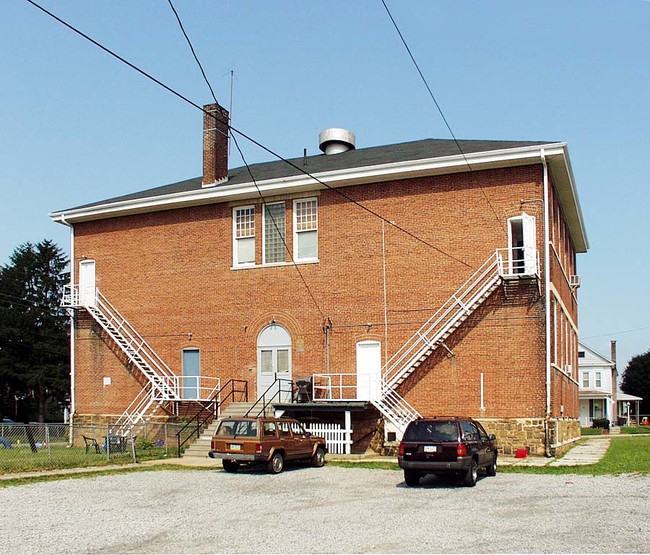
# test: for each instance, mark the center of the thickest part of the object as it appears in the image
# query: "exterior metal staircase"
(161, 385)
(447, 319)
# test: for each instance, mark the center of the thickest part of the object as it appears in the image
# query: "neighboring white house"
(598, 376)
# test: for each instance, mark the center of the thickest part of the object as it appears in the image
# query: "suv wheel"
(230, 466)
(491, 469)
(411, 478)
(318, 459)
(276, 464)
(472, 474)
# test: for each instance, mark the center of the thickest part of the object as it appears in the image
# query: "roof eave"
(337, 178)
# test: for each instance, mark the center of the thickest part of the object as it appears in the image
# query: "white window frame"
(598, 382)
(235, 239)
(297, 232)
(586, 379)
(284, 215)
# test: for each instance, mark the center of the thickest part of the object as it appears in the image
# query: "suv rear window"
(233, 428)
(428, 431)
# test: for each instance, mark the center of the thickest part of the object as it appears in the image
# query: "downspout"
(547, 305)
(72, 344)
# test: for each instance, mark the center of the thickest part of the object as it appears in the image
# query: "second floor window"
(585, 379)
(244, 232)
(305, 225)
(599, 380)
(274, 233)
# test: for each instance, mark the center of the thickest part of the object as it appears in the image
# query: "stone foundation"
(530, 434)
(564, 434)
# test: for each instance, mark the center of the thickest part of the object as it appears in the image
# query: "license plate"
(235, 446)
(430, 448)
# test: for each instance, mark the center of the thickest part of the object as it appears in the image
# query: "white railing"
(199, 388)
(334, 387)
(518, 262)
(338, 439)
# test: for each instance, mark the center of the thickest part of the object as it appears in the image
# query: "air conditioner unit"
(574, 281)
(568, 369)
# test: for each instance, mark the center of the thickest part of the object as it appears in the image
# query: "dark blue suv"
(447, 446)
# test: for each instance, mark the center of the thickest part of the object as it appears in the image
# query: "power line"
(442, 115)
(189, 42)
(247, 137)
(275, 224)
(615, 333)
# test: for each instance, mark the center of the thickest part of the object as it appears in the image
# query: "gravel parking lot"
(326, 510)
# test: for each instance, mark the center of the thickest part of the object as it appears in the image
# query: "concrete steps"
(200, 448)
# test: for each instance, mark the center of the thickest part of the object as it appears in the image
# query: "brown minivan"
(268, 441)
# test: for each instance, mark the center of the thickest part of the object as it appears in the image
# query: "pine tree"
(34, 329)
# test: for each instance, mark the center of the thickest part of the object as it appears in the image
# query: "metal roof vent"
(335, 140)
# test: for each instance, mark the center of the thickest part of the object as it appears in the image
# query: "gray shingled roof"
(363, 157)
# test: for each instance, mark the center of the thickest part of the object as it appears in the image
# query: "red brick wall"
(170, 274)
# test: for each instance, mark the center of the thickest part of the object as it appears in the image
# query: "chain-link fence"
(26, 447)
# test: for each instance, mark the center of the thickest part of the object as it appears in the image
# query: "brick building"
(396, 280)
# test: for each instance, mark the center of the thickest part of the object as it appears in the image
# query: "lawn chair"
(91, 442)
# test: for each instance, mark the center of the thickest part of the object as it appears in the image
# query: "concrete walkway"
(589, 451)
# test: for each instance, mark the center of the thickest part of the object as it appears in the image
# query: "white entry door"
(274, 363)
(521, 241)
(368, 370)
(87, 296)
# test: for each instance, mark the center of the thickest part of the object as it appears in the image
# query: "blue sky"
(77, 126)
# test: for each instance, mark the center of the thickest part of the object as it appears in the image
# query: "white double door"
(274, 363)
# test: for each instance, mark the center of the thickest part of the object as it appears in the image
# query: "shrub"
(601, 423)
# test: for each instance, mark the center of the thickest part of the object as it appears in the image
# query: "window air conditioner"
(568, 369)
(574, 281)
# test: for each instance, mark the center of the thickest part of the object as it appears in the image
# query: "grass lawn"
(21, 458)
(626, 455)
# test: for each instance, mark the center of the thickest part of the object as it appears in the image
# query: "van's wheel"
(318, 459)
(276, 464)
(491, 469)
(411, 478)
(472, 474)
(230, 466)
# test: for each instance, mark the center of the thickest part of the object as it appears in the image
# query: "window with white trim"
(244, 236)
(585, 379)
(599, 379)
(305, 229)
(274, 233)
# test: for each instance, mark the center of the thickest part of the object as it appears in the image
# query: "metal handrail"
(330, 387)
(452, 309)
(266, 403)
(218, 400)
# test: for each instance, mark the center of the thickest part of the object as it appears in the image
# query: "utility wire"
(275, 224)
(247, 137)
(189, 42)
(442, 115)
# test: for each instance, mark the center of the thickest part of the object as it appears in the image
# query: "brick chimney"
(215, 145)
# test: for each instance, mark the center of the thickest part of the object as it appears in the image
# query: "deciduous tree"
(636, 380)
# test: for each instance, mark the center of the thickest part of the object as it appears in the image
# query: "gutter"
(307, 183)
(547, 305)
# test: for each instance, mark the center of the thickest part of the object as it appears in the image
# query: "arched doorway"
(273, 359)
